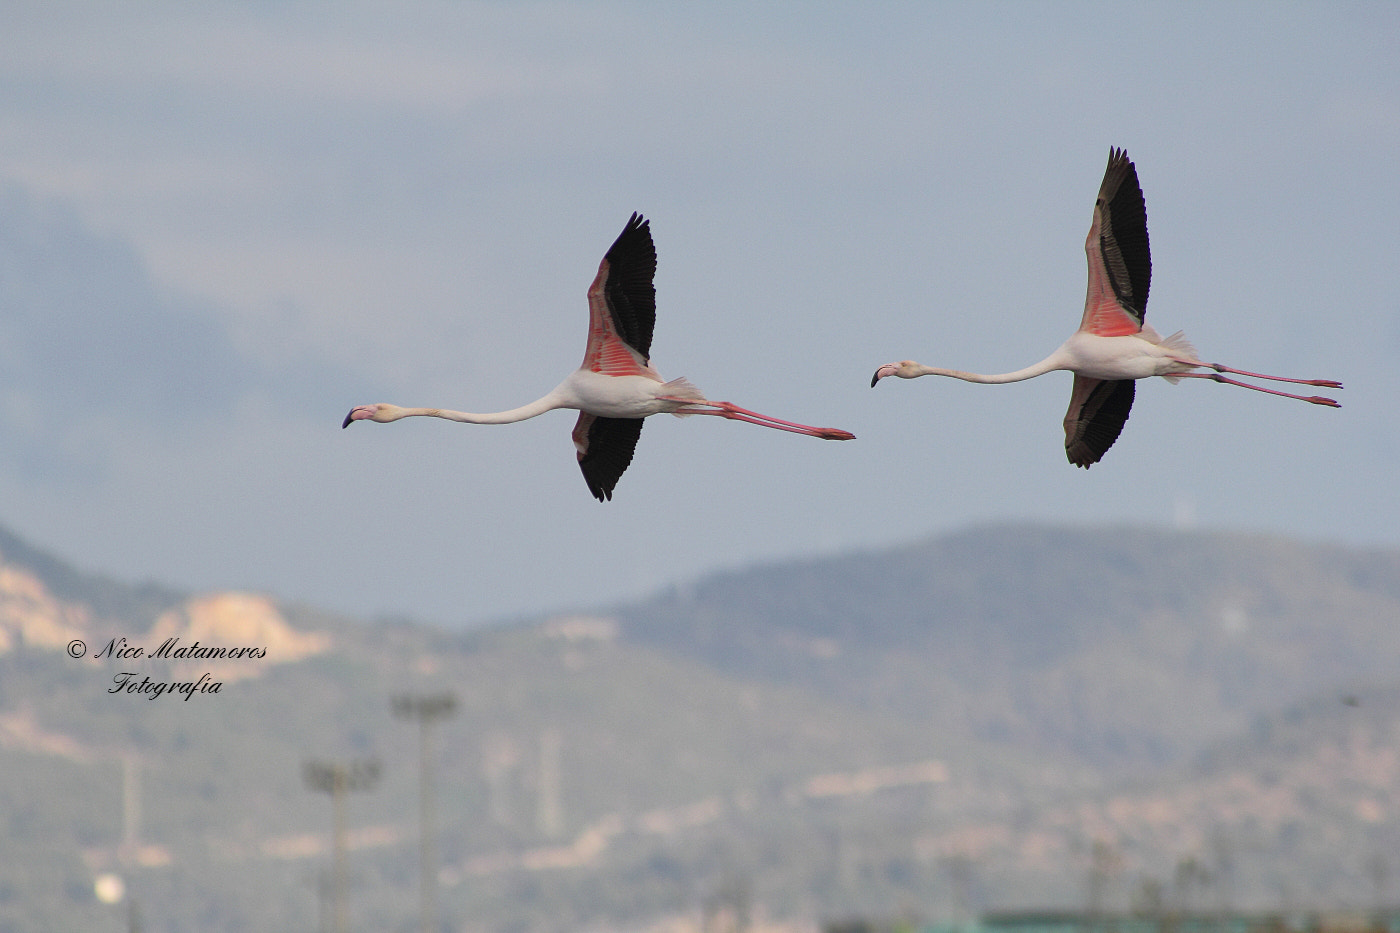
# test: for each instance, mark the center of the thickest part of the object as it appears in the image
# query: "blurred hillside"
(1008, 717)
(1125, 647)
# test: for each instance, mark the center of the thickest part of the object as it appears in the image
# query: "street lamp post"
(338, 779)
(426, 709)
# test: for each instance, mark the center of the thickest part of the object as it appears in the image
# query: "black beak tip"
(874, 379)
(346, 423)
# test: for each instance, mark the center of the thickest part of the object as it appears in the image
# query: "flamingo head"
(904, 369)
(383, 413)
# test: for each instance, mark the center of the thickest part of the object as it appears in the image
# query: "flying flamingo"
(1113, 347)
(616, 387)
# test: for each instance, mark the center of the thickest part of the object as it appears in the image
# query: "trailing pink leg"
(1221, 368)
(1314, 399)
(734, 413)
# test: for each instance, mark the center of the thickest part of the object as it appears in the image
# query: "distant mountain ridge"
(45, 604)
(105, 597)
(1077, 580)
(1089, 631)
(1001, 717)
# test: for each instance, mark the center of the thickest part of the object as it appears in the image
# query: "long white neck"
(537, 407)
(1049, 364)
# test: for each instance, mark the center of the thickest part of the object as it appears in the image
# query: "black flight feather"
(611, 443)
(630, 293)
(1101, 419)
(1123, 233)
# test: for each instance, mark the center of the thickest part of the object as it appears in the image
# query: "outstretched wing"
(622, 305)
(605, 447)
(1120, 261)
(1098, 409)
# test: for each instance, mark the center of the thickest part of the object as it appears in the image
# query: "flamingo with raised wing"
(616, 387)
(1113, 346)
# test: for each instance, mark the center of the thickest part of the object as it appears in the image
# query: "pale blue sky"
(226, 224)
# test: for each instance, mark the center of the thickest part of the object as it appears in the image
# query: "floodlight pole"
(338, 779)
(426, 709)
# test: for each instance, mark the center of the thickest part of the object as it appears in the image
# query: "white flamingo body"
(1137, 356)
(616, 386)
(625, 396)
(1113, 347)
(583, 390)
